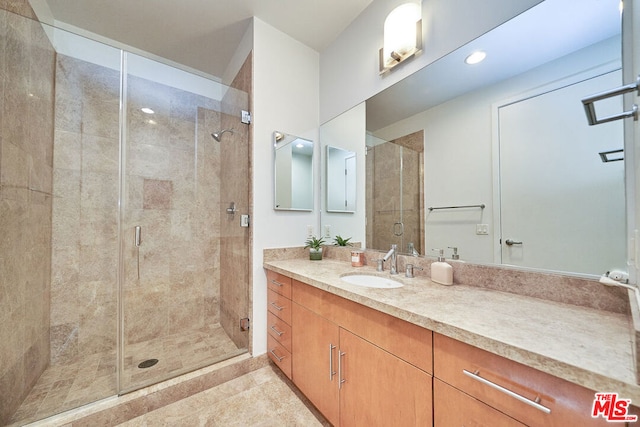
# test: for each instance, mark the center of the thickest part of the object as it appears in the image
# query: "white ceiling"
(203, 34)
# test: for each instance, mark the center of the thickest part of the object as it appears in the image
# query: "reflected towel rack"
(590, 109)
(482, 206)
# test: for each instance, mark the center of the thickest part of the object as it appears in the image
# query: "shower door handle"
(398, 229)
(137, 240)
(138, 236)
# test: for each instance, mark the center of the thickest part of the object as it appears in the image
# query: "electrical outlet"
(309, 230)
(482, 229)
(327, 231)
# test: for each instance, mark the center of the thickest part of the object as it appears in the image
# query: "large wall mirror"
(293, 171)
(497, 159)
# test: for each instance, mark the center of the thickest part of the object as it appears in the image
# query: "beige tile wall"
(59, 213)
(85, 239)
(26, 156)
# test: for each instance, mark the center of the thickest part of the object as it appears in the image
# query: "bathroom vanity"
(427, 354)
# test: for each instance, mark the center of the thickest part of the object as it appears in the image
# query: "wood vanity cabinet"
(455, 408)
(346, 361)
(279, 320)
(538, 399)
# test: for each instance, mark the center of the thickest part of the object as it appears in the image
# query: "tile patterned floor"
(261, 398)
(64, 387)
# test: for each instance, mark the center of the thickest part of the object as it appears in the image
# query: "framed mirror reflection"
(293, 172)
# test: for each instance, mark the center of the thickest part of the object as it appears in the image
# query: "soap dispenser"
(441, 272)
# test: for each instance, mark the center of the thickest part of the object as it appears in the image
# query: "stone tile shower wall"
(85, 212)
(173, 194)
(26, 156)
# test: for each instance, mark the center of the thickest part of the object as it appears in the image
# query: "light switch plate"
(482, 229)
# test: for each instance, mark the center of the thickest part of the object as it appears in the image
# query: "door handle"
(590, 109)
(138, 236)
(510, 242)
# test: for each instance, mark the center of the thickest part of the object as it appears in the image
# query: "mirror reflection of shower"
(218, 135)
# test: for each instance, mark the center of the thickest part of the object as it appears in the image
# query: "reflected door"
(554, 184)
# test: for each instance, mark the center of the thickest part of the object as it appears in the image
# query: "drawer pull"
(275, 282)
(276, 306)
(476, 376)
(273, 328)
(276, 356)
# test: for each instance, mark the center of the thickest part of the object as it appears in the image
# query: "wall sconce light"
(402, 36)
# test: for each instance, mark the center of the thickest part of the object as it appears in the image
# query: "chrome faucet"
(394, 259)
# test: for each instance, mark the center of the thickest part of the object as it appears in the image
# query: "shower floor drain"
(147, 363)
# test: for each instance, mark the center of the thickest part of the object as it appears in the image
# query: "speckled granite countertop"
(589, 347)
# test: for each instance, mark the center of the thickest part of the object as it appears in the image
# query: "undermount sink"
(369, 281)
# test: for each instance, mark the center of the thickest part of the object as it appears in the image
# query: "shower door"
(184, 259)
(394, 194)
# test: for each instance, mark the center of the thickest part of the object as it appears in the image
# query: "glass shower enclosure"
(142, 270)
(395, 193)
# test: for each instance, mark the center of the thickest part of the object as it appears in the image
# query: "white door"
(554, 184)
(350, 183)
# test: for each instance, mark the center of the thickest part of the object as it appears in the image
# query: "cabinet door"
(451, 407)
(379, 389)
(315, 363)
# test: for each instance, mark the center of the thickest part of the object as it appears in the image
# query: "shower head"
(218, 135)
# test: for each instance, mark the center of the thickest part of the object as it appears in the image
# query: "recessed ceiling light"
(475, 57)
(147, 110)
(300, 145)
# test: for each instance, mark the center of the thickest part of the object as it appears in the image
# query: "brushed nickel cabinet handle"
(275, 282)
(273, 328)
(277, 307)
(276, 356)
(331, 371)
(476, 376)
(340, 378)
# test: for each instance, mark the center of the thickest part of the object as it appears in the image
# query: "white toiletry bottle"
(441, 272)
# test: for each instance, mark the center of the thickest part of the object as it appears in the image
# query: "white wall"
(302, 186)
(348, 131)
(286, 93)
(349, 66)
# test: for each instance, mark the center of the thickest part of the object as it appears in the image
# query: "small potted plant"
(315, 248)
(339, 241)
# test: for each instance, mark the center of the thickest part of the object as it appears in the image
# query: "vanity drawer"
(279, 283)
(279, 355)
(455, 408)
(279, 330)
(279, 305)
(470, 369)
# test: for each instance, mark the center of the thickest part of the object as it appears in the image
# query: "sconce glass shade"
(402, 35)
